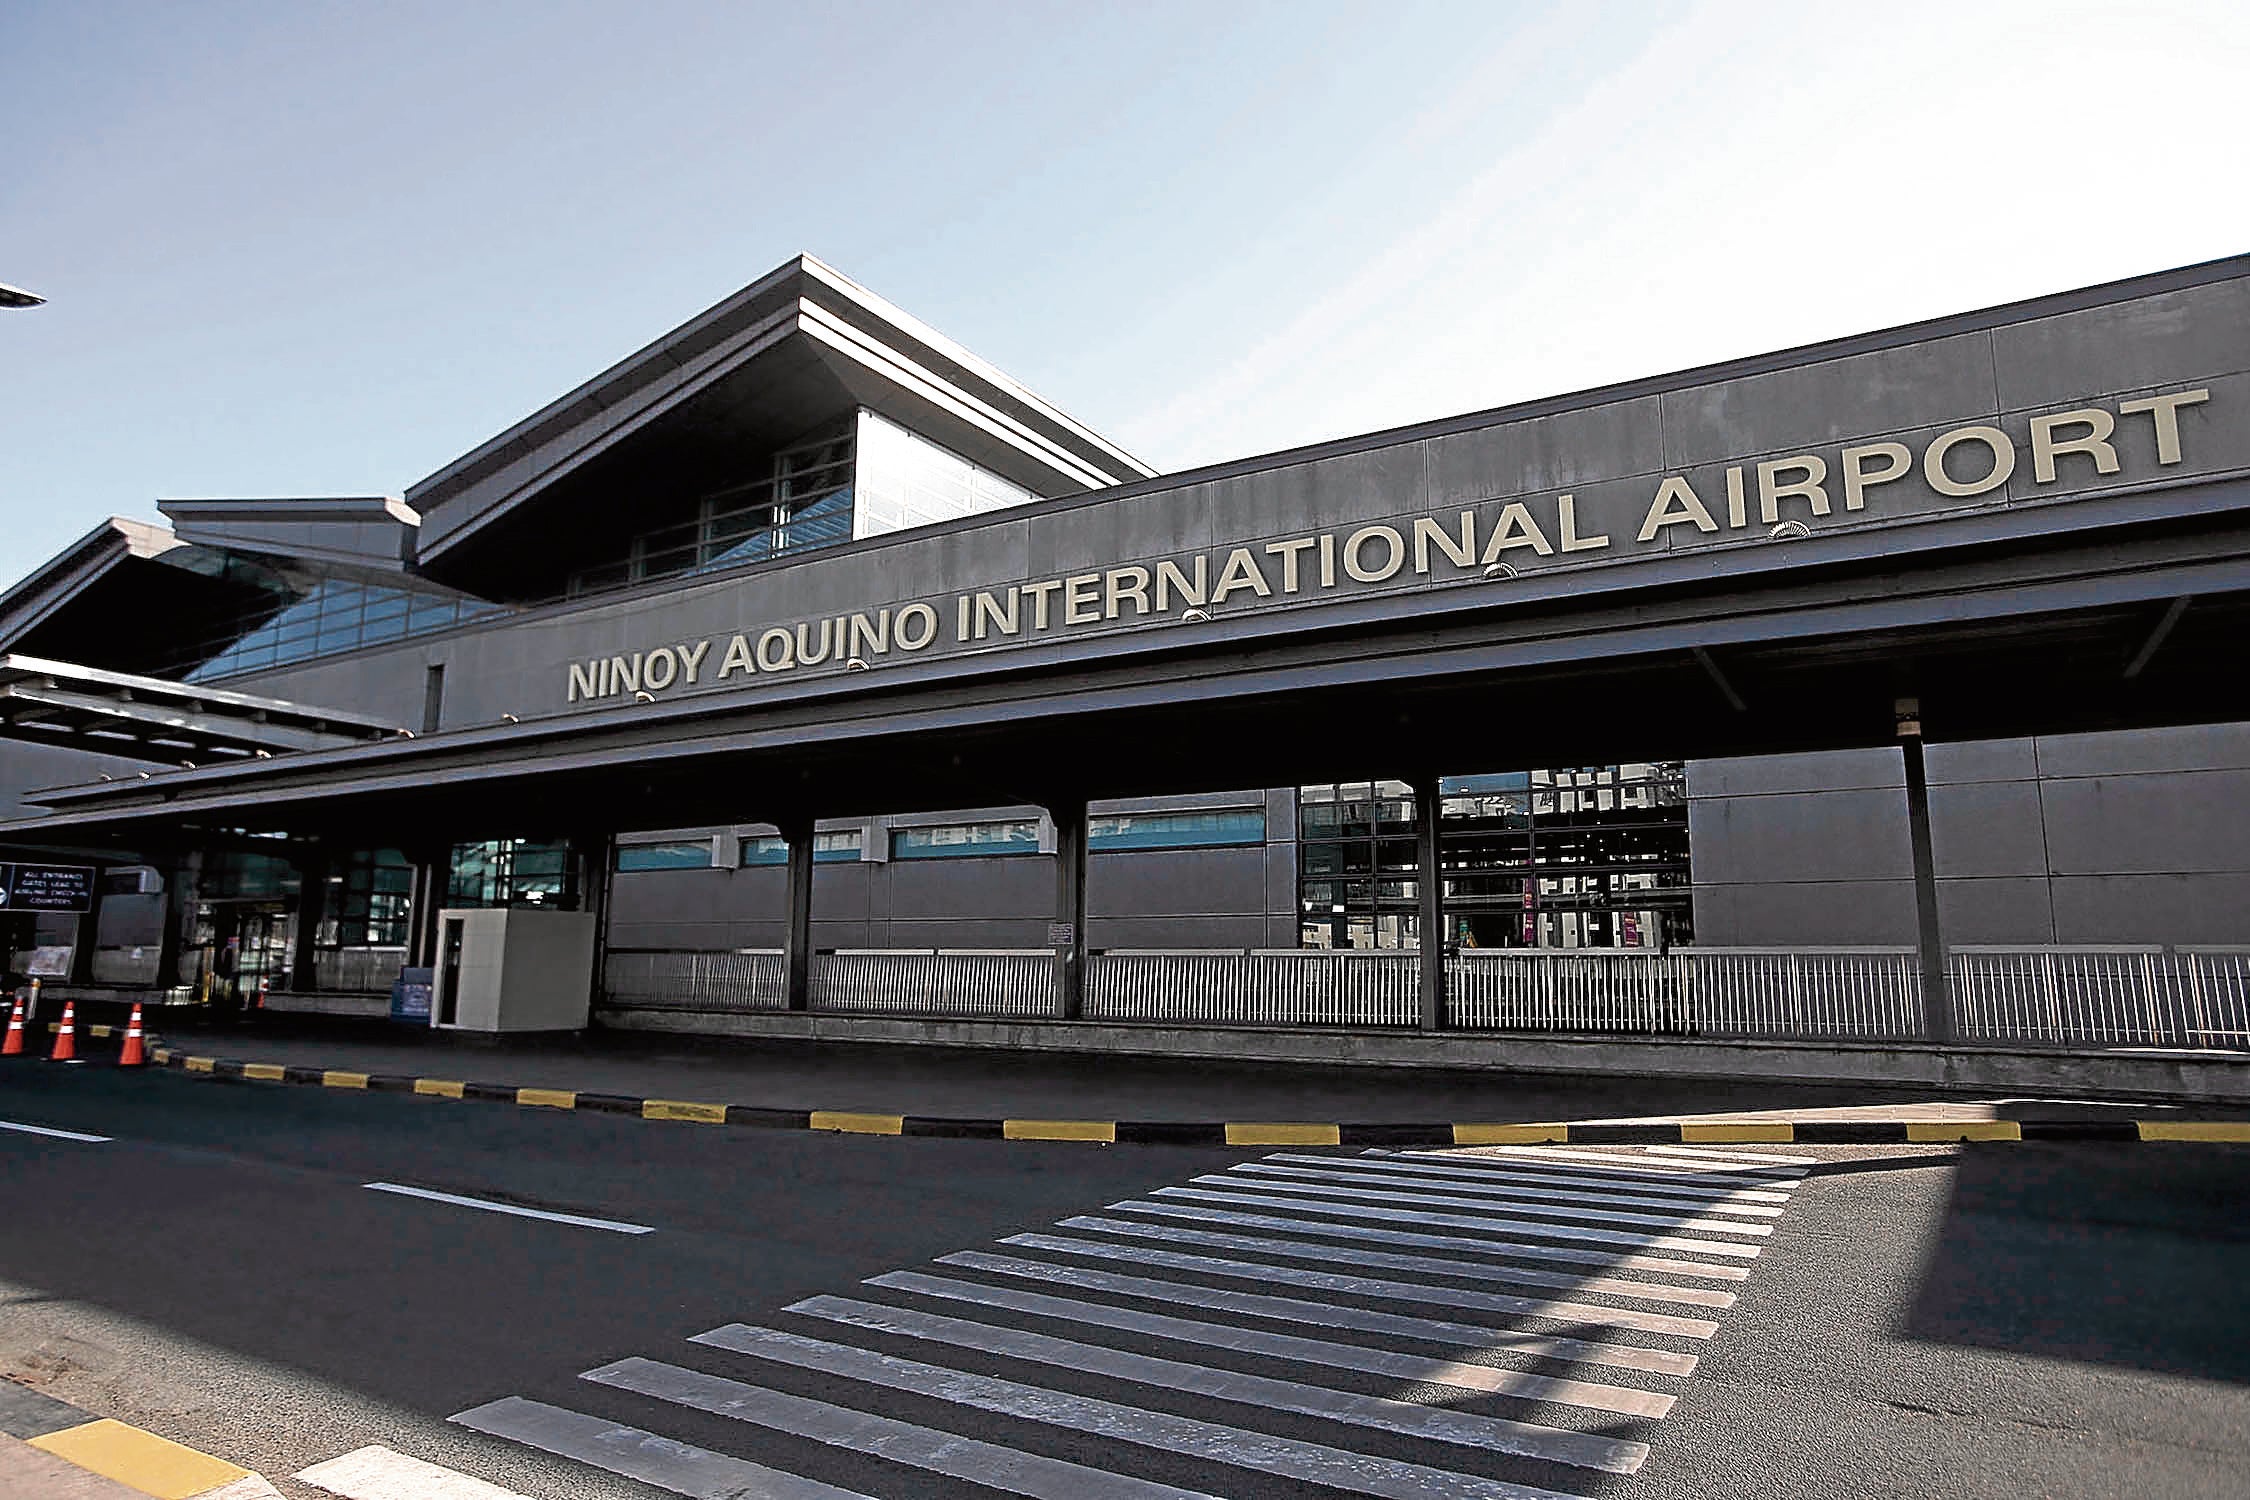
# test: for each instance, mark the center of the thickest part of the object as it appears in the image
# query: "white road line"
(1430, 1265)
(1558, 1445)
(1559, 1158)
(1010, 1469)
(60, 1135)
(1536, 1176)
(612, 1225)
(681, 1468)
(379, 1473)
(1504, 1249)
(1372, 1286)
(1284, 1458)
(1536, 1208)
(1738, 1159)
(1624, 1400)
(1402, 1215)
(1296, 1310)
(1257, 1171)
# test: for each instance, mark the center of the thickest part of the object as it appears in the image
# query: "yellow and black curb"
(1232, 1132)
(128, 1455)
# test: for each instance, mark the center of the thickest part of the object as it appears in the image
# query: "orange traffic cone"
(66, 1037)
(262, 993)
(13, 1046)
(132, 1055)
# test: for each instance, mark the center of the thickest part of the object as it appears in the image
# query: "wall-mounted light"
(1193, 616)
(1788, 531)
(1499, 570)
(856, 664)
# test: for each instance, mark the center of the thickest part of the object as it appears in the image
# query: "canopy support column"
(1937, 1007)
(796, 928)
(1067, 934)
(1431, 890)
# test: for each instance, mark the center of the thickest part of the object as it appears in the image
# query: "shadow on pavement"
(2136, 1256)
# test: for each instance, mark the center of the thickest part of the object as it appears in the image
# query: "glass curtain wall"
(1574, 857)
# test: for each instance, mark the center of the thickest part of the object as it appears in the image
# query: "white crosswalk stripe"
(1250, 1333)
(1538, 1207)
(1429, 1265)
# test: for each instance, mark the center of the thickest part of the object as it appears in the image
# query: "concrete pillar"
(433, 870)
(796, 927)
(594, 857)
(179, 910)
(1067, 934)
(312, 901)
(1431, 886)
(1937, 1006)
(86, 934)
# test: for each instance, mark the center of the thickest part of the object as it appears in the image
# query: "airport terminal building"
(804, 664)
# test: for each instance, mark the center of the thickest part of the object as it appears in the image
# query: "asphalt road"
(2006, 1321)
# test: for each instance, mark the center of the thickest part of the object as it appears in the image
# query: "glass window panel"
(839, 847)
(957, 840)
(686, 854)
(1178, 830)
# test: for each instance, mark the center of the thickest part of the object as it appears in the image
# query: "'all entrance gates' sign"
(46, 887)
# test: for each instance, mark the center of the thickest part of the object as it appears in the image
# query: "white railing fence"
(2130, 995)
(2061, 996)
(938, 982)
(359, 970)
(1781, 992)
(734, 979)
(1261, 986)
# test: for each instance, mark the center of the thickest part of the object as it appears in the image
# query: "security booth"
(512, 969)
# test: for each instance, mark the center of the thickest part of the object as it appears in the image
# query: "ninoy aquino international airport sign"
(1848, 483)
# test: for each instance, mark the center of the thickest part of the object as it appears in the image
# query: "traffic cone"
(132, 1056)
(66, 1038)
(13, 1046)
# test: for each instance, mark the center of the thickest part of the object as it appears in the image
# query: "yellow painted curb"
(1508, 1135)
(851, 1124)
(1282, 1133)
(548, 1098)
(161, 1054)
(1963, 1130)
(268, 1072)
(442, 1088)
(683, 1109)
(1738, 1134)
(200, 1064)
(2195, 1130)
(1059, 1130)
(140, 1460)
(337, 1078)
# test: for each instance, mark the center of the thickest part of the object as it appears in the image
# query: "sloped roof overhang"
(883, 357)
(117, 713)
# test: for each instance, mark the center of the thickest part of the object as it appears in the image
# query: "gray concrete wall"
(1609, 454)
(1241, 896)
(27, 767)
(2098, 838)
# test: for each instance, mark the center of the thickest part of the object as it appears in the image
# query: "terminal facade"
(805, 494)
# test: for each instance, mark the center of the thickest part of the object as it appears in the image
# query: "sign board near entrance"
(46, 888)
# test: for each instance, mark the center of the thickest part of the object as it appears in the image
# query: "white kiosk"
(513, 969)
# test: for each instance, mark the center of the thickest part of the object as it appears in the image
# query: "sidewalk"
(938, 1084)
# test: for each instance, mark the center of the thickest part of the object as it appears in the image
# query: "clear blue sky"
(324, 248)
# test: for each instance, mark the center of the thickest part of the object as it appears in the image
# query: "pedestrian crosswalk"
(1499, 1323)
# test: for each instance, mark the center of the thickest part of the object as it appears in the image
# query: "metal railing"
(2041, 995)
(734, 979)
(359, 970)
(2112, 995)
(938, 981)
(1262, 986)
(1776, 992)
